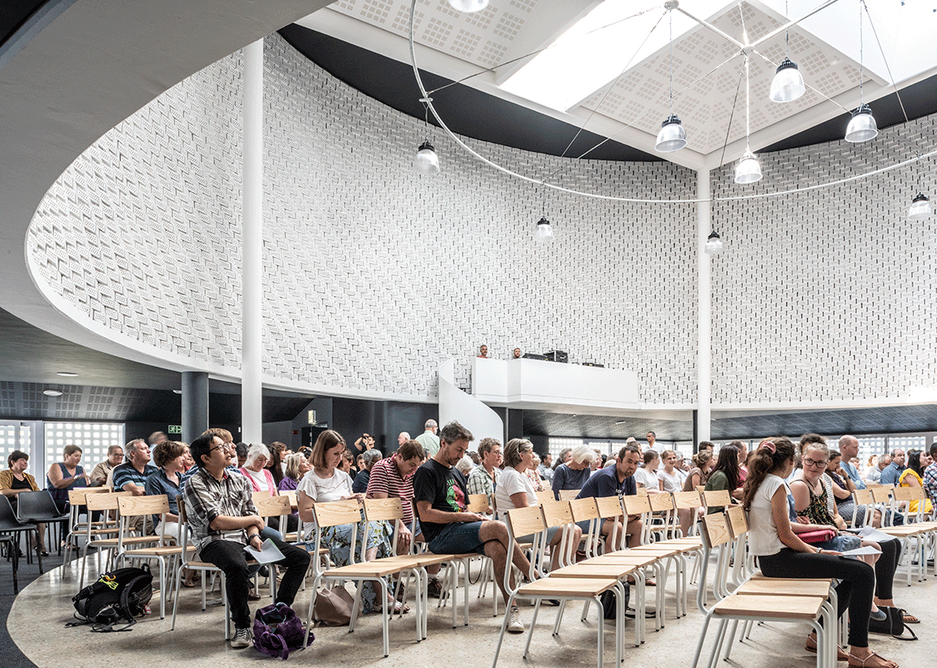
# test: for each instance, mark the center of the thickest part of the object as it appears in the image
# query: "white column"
(252, 252)
(704, 308)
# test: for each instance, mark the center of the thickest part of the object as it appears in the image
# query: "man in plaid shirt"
(222, 520)
(930, 476)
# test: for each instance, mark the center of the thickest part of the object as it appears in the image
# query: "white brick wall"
(827, 295)
(374, 273)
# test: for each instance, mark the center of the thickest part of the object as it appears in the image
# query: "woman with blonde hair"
(574, 473)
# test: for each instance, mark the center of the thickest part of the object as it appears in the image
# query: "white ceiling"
(631, 107)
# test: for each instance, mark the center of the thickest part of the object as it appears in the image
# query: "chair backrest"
(717, 498)
(291, 495)
(737, 521)
(336, 512)
(522, 522)
(637, 504)
(583, 509)
(608, 506)
(8, 520)
(271, 506)
(35, 504)
(863, 497)
(661, 503)
(715, 530)
(258, 497)
(546, 495)
(557, 513)
(384, 509)
(478, 503)
(133, 506)
(904, 493)
(104, 501)
(881, 494)
(76, 497)
(568, 494)
(686, 500)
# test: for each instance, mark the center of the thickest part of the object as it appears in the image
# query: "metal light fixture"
(862, 126)
(672, 136)
(713, 245)
(788, 83)
(53, 393)
(920, 207)
(426, 161)
(544, 231)
(748, 169)
(468, 6)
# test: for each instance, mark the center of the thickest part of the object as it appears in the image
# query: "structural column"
(194, 404)
(704, 308)
(252, 252)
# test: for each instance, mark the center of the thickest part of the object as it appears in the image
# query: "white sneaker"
(241, 639)
(515, 625)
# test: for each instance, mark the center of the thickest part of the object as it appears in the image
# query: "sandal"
(861, 662)
(908, 618)
(811, 646)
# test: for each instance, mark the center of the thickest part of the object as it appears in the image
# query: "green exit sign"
(175, 429)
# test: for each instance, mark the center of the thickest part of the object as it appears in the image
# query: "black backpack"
(118, 595)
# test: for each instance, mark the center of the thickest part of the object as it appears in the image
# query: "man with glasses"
(223, 520)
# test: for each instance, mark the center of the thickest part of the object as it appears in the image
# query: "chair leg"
(702, 639)
(504, 626)
(533, 622)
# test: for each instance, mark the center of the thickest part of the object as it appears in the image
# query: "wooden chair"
(76, 499)
(716, 498)
(862, 498)
(478, 503)
(737, 607)
(378, 570)
(662, 505)
(131, 507)
(585, 510)
(524, 521)
(187, 562)
(546, 495)
(292, 536)
(105, 503)
(268, 507)
(568, 494)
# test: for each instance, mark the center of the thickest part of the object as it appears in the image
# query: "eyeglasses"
(223, 446)
(814, 463)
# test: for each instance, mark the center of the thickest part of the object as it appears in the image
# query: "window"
(94, 438)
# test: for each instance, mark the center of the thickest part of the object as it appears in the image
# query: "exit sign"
(175, 429)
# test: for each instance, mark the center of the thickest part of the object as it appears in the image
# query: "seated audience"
(546, 467)
(913, 476)
(670, 479)
(617, 481)
(743, 459)
(15, 480)
(465, 466)
(101, 472)
(574, 473)
(699, 474)
(930, 475)
(325, 483)
(893, 471)
(874, 475)
(369, 459)
(484, 478)
(515, 491)
(241, 449)
(275, 464)
(849, 447)
(533, 474)
(296, 467)
(441, 498)
(254, 469)
(725, 475)
(223, 520)
(169, 457)
(65, 475)
(812, 501)
(781, 554)
(646, 476)
(347, 465)
(131, 476)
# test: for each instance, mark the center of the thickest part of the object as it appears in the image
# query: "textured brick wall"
(827, 295)
(374, 274)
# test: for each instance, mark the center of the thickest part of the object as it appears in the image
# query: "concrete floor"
(38, 617)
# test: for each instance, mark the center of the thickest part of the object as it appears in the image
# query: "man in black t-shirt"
(441, 499)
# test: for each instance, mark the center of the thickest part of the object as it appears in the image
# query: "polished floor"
(39, 614)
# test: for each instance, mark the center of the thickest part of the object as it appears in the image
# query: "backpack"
(117, 595)
(278, 631)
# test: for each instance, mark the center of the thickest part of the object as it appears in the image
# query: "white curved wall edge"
(454, 404)
(97, 64)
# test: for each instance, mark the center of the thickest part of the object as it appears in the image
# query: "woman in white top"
(781, 554)
(515, 490)
(646, 476)
(670, 479)
(325, 483)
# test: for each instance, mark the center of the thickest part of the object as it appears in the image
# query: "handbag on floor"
(333, 606)
(278, 631)
(892, 625)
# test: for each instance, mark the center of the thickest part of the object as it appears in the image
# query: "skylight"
(598, 48)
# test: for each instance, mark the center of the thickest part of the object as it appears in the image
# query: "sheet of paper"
(267, 554)
(871, 533)
(861, 551)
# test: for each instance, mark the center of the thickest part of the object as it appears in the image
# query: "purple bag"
(278, 631)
